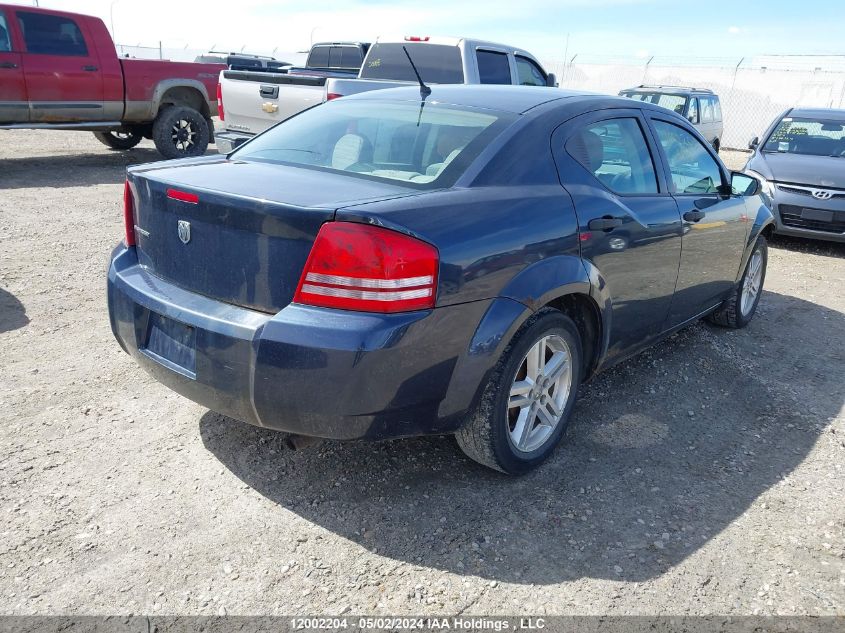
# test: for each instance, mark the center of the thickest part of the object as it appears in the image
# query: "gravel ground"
(703, 477)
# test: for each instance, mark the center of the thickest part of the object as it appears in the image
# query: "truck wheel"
(527, 403)
(738, 309)
(117, 139)
(180, 132)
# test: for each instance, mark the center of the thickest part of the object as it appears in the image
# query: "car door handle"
(604, 224)
(694, 216)
(90, 69)
(8, 65)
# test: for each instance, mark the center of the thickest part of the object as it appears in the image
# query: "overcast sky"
(685, 28)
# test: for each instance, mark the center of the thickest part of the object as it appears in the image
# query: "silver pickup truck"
(254, 101)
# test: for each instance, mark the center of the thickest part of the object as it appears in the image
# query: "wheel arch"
(181, 92)
(582, 296)
(763, 224)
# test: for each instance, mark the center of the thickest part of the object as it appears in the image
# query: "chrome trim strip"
(367, 295)
(362, 282)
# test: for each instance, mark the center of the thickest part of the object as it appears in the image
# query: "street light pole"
(111, 18)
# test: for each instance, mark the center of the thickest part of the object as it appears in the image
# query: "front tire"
(526, 405)
(118, 139)
(181, 132)
(738, 309)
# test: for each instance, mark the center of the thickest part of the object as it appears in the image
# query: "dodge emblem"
(184, 229)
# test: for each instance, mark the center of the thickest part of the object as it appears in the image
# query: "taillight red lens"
(333, 95)
(183, 196)
(220, 111)
(370, 269)
(129, 214)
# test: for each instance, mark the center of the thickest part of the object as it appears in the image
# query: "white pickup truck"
(251, 102)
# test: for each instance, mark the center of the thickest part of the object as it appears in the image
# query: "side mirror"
(551, 80)
(744, 185)
(754, 143)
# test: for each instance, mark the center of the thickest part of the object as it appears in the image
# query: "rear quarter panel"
(147, 82)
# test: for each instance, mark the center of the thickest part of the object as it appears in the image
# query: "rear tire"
(181, 132)
(117, 139)
(514, 427)
(738, 309)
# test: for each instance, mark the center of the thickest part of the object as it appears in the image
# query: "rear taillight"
(367, 268)
(129, 214)
(333, 95)
(416, 38)
(220, 112)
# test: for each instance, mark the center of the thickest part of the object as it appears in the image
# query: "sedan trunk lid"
(238, 231)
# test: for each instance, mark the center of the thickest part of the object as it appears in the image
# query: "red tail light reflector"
(129, 214)
(370, 269)
(184, 196)
(220, 111)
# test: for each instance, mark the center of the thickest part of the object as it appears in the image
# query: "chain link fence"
(752, 92)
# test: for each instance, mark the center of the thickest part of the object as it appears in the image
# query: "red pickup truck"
(61, 71)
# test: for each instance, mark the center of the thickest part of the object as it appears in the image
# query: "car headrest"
(588, 149)
(350, 149)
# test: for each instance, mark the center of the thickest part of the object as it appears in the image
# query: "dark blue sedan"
(392, 264)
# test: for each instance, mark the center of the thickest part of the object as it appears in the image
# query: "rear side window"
(493, 67)
(694, 170)
(5, 36)
(707, 114)
(692, 113)
(436, 63)
(51, 35)
(616, 153)
(529, 73)
(717, 108)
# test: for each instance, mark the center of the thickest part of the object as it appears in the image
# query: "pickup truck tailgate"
(254, 101)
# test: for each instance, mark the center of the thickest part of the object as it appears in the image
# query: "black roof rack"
(688, 88)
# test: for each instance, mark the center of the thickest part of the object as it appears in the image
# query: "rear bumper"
(309, 371)
(228, 142)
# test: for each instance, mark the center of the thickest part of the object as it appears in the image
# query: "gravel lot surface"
(703, 477)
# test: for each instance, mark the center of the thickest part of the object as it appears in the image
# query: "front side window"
(401, 142)
(51, 35)
(5, 36)
(616, 153)
(813, 137)
(493, 67)
(436, 63)
(529, 73)
(694, 170)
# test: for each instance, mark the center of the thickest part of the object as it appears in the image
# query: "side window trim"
(651, 118)
(602, 116)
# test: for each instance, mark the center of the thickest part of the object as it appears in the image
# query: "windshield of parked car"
(676, 103)
(812, 137)
(436, 63)
(423, 145)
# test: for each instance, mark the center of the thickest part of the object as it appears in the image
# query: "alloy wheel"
(752, 282)
(539, 393)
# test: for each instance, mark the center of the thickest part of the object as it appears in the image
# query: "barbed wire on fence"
(753, 91)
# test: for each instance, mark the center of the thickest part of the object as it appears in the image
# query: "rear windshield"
(437, 64)
(813, 137)
(423, 147)
(676, 103)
